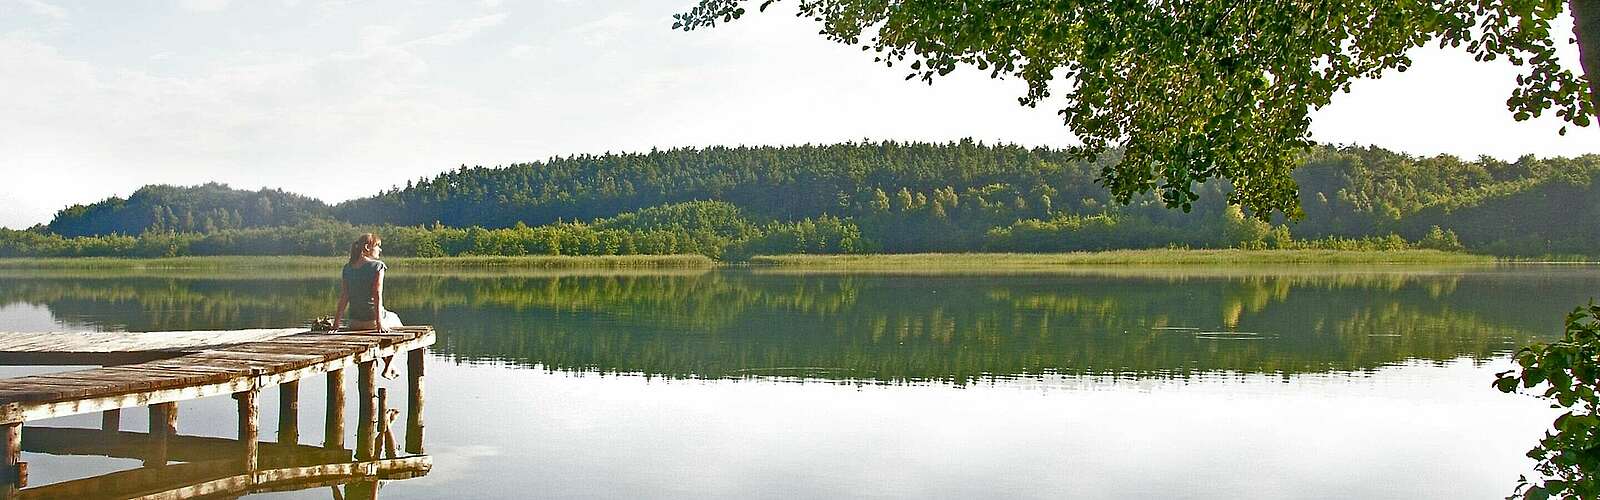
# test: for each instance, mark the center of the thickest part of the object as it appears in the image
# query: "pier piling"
(249, 426)
(163, 424)
(367, 426)
(289, 412)
(415, 370)
(333, 426)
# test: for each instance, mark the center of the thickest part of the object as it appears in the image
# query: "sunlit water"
(1303, 382)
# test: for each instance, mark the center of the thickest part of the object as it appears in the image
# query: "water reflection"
(1138, 322)
(209, 467)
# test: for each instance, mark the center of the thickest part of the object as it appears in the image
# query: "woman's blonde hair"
(363, 245)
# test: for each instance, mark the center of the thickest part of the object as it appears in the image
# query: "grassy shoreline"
(1114, 257)
(825, 262)
(295, 262)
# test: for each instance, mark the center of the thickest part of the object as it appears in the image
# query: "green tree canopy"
(1191, 90)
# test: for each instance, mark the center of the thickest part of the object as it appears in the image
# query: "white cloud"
(603, 31)
(462, 29)
(45, 9)
(204, 5)
(102, 132)
(1432, 109)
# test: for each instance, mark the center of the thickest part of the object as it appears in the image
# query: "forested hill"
(771, 182)
(205, 208)
(901, 197)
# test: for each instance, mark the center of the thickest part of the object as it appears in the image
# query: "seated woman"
(361, 289)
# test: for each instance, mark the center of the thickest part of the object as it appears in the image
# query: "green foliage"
(705, 228)
(825, 235)
(1440, 239)
(1388, 242)
(168, 209)
(782, 183)
(1242, 232)
(1569, 456)
(1188, 91)
(1070, 233)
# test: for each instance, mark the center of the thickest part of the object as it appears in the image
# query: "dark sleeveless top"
(358, 283)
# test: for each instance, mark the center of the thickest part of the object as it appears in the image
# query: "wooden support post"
(13, 473)
(163, 425)
(249, 426)
(333, 428)
(367, 428)
(111, 420)
(289, 412)
(414, 372)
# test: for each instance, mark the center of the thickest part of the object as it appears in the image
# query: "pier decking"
(158, 369)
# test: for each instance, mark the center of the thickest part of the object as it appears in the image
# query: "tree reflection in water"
(957, 328)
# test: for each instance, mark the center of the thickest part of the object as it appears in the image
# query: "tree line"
(851, 197)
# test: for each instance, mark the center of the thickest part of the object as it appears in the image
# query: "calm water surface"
(1268, 382)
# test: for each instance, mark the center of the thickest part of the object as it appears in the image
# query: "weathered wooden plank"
(56, 380)
(134, 341)
(125, 381)
(130, 378)
(320, 344)
(262, 361)
(39, 390)
(187, 364)
(181, 365)
(268, 346)
(331, 337)
(81, 358)
(269, 357)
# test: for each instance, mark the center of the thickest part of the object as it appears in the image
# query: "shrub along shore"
(299, 262)
(932, 261)
(1116, 257)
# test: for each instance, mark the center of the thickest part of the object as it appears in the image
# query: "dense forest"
(850, 198)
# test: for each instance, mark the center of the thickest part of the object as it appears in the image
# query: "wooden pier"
(159, 369)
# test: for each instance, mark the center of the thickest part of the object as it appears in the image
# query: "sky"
(339, 99)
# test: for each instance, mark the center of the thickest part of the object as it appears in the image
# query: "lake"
(1107, 382)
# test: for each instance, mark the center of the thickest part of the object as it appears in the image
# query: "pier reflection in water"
(209, 467)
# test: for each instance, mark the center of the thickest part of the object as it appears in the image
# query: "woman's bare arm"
(377, 300)
(344, 301)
